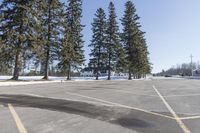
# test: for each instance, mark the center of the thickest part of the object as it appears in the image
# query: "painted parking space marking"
(190, 118)
(129, 92)
(101, 102)
(119, 105)
(176, 117)
(187, 95)
(18, 122)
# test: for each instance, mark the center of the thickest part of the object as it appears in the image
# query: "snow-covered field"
(25, 80)
(51, 78)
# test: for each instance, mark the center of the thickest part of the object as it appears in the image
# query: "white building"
(86, 74)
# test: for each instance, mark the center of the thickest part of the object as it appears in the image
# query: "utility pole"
(191, 57)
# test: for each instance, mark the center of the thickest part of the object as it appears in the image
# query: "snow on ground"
(52, 78)
(25, 80)
(176, 77)
(194, 77)
(163, 78)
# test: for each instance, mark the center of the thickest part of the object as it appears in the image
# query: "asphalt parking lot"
(149, 106)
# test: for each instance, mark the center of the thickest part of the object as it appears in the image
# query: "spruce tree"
(74, 39)
(66, 52)
(98, 51)
(113, 40)
(39, 52)
(4, 58)
(134, 46)
(144, 64)
(141, 55)
(16, 29)
(50, 33)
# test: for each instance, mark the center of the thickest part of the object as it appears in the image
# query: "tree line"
(49, 31)
(185, 69)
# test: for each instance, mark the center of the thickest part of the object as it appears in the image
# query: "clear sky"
(172, 28)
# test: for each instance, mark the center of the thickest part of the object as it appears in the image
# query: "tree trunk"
(16, 69)
(98, 65)
(46, 67)
(68, 72)
(129, 75)
(109, 68)
(97, 73)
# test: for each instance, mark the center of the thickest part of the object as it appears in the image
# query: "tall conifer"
(16, 29)
(74, 39)
(51, 32)
(98, 51)
(136, 53)
(113, 40)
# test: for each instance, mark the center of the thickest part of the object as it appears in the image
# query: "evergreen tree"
(50, 33)
(67, 52)
(142, 64)
(16, 29)
(98, 42)
(4, 59)
(73, 49)
(39, 52)
(113, 40)
(136, 54)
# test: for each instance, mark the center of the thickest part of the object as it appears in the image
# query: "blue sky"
(172, 28)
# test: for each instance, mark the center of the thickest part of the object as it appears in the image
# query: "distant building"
(196, 72)
(87, 72)
(90, 72)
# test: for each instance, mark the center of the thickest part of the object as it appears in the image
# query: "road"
(149, 106)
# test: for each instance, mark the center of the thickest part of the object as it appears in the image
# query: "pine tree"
(142, 62)
(145, 65)
(73, 40)
(113, 40)
(67, 52)
(4, 62)
(16, 30)
(50, 33)
(98, 42)
(5, 58)
(136, 54)
(39, 56)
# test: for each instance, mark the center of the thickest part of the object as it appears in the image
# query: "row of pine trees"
(49, 31)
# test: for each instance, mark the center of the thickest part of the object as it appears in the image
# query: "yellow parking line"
(18, 122)
(176, 117)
